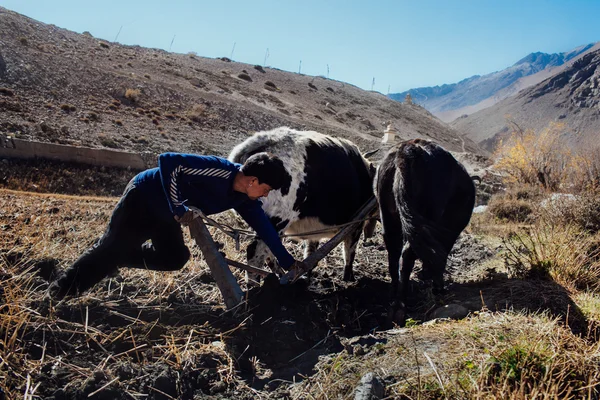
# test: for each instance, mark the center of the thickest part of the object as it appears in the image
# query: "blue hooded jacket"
(205, 182)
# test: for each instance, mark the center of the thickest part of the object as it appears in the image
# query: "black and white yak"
(426, 199)
(330, 181)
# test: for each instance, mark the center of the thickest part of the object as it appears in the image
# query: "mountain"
(449, 102)
(71, 88)
(571, 97)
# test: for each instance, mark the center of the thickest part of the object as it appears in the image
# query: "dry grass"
(133, 95)
(197, 113)
(490, 355)
(131, 328)
(546, 159)
(36, 333)
(582, 210)
(563, 252)
(69, 178)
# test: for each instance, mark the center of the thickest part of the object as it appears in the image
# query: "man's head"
(268, 173)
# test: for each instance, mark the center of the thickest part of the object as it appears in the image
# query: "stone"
(452, 311)
(369, 388)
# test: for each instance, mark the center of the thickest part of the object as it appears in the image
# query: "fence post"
(231, 291)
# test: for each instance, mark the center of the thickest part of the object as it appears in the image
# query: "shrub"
(107, 141)
(67, 107)
(141, 139)
(197, 113)
(6, 91)
(133, 95)
(563, 252)
(534, 159)
(546, 159)
(584, 171)
(582, 210)
(245, 77)
(509, 209)
(270, 86)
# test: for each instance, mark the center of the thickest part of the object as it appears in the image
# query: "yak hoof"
(397, 314)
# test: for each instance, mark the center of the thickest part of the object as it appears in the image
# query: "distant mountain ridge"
(450, 101)
(570, 96)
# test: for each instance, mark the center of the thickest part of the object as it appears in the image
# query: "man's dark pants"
(124, 244)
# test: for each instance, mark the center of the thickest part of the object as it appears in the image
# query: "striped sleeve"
(174, 167)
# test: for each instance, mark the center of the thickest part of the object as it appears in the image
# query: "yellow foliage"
(544, 159)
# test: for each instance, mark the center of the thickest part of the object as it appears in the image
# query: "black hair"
(267, 168)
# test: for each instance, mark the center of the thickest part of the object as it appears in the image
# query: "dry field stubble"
(167, 335)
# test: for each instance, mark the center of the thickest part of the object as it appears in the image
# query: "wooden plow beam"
(230, 290)
(219, 269)
(228, 286)
(312, 260)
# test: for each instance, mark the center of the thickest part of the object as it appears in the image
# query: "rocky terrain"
(61, 86)
(451, 101)
(571, 98)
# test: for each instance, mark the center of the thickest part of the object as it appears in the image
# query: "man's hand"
(186, 218)
(295, 272)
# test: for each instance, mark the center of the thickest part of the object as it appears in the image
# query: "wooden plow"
(218, 265)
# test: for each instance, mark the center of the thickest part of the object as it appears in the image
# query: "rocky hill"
(71, 88)
(571, 97)
(449, 102)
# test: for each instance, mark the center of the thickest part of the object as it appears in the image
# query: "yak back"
(331, 180)
(434, 197)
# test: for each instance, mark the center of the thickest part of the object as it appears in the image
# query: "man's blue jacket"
(205, 182)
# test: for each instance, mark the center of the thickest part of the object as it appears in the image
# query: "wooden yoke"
(231, 291)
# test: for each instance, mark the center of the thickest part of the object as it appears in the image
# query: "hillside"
(470, 95)
(571, 97)
(65, 87)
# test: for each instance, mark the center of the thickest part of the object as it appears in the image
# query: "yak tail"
(427, 238)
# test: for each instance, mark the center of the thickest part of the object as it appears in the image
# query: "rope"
(235, 233)
(330, 229)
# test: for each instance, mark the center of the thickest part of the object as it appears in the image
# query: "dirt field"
(167, 335)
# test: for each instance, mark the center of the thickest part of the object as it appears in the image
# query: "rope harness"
(235, 233)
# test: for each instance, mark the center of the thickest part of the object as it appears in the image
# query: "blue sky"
(402, 44)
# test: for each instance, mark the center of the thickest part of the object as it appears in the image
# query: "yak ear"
(370, 153)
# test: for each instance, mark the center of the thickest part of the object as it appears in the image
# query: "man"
(156, 201)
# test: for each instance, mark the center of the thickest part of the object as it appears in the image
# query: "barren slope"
(571, 97)
(71, 88)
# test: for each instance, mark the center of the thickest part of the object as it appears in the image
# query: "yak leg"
(407, 264)
(310, 247)
(350, 243)
(393, 243)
